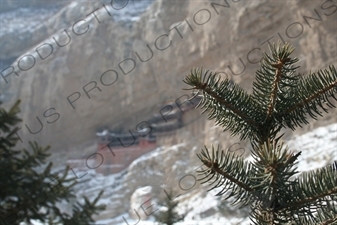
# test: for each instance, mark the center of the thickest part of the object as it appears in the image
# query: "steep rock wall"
(109, 76)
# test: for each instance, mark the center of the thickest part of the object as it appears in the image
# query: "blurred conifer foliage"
(168, 213)
(29, 190)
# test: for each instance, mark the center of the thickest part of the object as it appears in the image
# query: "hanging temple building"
(117, 150)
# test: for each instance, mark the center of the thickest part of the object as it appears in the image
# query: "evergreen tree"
(168, 215)
(281, 98)
(28, 188)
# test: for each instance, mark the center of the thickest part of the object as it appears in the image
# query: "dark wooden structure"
(120, 149)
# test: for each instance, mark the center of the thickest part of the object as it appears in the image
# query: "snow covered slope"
(319, 148)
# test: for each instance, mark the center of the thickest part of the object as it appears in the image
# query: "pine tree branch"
(26, 187)
(333, 220)
(281, 98)
(194, 79)
(273, 81)
(313, 187)
(214, 167)
(310, 93)
(316, 95)
(228, 171)
(282, 57)
(312, 200)
(326, 214)
(228, 104)
(274, 88)
(9, 118)
(274, 166)
(274, 78)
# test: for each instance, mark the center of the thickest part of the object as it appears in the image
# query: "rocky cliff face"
(99, 72)
(27, 23)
